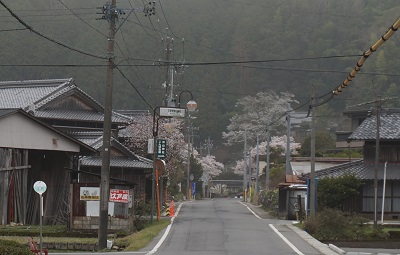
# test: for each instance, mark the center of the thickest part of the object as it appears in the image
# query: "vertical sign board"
(161, 148)
(193, 189)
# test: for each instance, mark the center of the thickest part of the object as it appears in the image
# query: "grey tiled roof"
(76, 115)
(116, 162)
(389, 128)
(21, 94)
(131, 160)
(362, 170)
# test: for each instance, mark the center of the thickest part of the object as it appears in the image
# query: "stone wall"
(91, 223)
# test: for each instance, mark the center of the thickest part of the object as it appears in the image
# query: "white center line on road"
(285, 240)
(258, 217)
(154, 250)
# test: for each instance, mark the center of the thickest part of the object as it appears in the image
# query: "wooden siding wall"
(13, 185)
(388, 152)
(48, 166)
(70, 103)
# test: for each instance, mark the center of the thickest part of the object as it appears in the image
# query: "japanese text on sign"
(119, 195)
(161, 148)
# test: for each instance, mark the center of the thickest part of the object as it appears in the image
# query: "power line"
(169, 27)
(74, 13)
(13, 29)
(48, 37)
(136, 89)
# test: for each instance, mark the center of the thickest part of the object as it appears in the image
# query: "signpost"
(40, 187)
(172, 112)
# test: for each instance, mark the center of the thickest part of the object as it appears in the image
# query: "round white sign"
(40, 187)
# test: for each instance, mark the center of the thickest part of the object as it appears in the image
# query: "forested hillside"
(312, 42)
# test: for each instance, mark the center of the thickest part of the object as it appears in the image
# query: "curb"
(321, 247)
(337, 249)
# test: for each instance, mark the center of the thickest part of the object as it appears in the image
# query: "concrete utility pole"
(245, 166)
(258, 168)
(170, 100)
(312, 175)
(267, 162)
(111, 15)
(288, 166)
(378, 124)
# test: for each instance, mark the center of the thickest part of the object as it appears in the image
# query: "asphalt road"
(228, 227)
(231, 227)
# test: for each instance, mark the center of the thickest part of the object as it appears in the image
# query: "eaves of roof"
(389, 128)
(86, 148)
(122, 162)
(362, 170)
(80, 115)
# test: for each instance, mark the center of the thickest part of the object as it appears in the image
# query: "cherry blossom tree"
(140, 131)
(210, 166)
(254, 113)
(277, 145)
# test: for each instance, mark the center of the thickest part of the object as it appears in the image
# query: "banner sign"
(119, 195)
(90, 193)
(93, 194)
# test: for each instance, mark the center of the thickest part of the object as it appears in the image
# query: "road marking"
(285, 240)
(258, 217)
(154, 250)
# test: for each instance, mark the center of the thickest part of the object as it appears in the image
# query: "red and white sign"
(119, 195)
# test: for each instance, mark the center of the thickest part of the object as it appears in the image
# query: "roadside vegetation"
(15, 238)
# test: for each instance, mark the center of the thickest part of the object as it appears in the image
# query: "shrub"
(269, 200)
(13, 248)
(330, 224)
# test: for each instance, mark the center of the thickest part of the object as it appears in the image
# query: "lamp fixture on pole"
(191, 107)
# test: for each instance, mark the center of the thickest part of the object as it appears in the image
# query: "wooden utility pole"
(111, 16)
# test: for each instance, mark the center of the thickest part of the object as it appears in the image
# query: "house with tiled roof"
(31, 150)
(65, 107)
(388, 165)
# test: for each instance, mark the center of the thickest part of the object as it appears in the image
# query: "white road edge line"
(154, 250)
(285, 240)
(258, 217)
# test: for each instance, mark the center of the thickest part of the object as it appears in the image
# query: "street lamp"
(191, 107)
(165, 112)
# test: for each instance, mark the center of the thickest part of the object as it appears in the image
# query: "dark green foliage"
(214, 31)
(333, 192)
(323, 141)
(13, 248)
(331, 224)
(269, 200)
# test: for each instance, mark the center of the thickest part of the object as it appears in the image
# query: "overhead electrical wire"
(75, 14)
(136, 89)
(365, 55)
(165, 17)
(12, 29)
(48, 37)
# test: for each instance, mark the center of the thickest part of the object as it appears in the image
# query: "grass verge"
(141, 239)
(133, 242)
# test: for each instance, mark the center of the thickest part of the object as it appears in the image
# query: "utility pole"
(170, 100)
(111, 15)
(245, 166)
(288, 166)
(312, 175)
(267, 161)
(258, 167)
(378, 124)
(209, 145)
